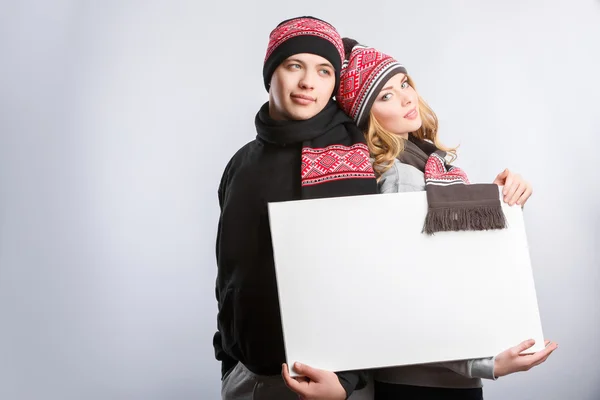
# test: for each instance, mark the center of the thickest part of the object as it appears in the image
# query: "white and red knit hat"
(363, 75)
(303, 35)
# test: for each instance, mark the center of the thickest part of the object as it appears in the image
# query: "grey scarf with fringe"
(453, 203)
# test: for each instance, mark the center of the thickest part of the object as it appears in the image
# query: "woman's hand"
(516, 189)
(511, 360)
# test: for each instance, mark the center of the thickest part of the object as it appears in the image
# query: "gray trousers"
(242, 384)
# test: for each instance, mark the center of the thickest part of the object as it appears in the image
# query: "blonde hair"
(386, 146)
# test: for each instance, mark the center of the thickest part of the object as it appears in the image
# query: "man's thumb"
(312, 373)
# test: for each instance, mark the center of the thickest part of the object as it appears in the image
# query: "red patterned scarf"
(334, 158)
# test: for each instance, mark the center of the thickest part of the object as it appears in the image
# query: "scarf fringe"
(480, 218)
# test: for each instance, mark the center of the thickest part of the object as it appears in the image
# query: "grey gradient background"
(117, 118)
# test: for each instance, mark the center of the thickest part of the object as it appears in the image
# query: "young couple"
(377, 136)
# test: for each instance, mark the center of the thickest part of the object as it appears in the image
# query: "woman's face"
(396, 107)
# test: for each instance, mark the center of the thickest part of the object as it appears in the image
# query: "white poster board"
(361, 287)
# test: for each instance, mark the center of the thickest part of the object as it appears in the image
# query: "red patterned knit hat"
(363, 75)
(303, 35)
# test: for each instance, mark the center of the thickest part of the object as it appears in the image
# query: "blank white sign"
(361, 287)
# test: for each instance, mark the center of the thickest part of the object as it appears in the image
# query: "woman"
(401, 132)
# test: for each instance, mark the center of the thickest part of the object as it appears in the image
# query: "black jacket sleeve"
(227, 362)
(352, 380)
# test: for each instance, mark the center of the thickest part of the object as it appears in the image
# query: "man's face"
(301, 87)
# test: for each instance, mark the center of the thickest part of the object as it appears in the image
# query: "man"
(305, 148)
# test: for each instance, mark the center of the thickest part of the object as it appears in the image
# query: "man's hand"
(314, 384)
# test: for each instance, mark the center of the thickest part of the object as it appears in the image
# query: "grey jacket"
(456, 374)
